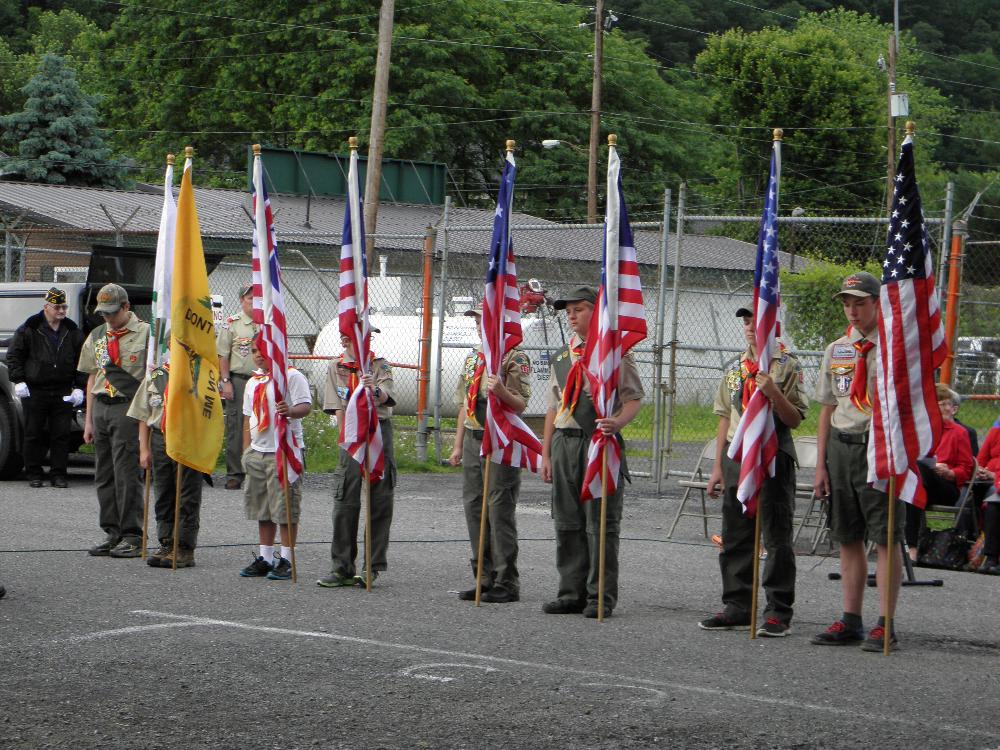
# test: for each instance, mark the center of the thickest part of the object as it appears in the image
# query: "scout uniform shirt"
(837, 374)
(151, 398)
(629, 387)
(342, 378)
(234, 343)
(516, 368)
(733, 392)
(112, 356)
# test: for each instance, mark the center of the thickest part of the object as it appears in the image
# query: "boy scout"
(114, 358)
(235, 368)
(857, 511)
(569, 424)
(147, 409)
(501, 583)
(343, 377)
(776, 502)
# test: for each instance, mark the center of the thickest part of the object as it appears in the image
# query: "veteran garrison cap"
(580, 294)
(55, 296)
(111, 298)
(860, 284)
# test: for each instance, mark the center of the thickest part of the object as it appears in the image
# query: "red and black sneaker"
(774, 628)
(876, 640)
(838, 634)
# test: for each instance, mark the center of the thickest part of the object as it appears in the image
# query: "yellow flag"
(194, 421)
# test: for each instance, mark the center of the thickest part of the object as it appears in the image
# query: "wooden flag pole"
(145, 506)
(891, 555)
(177, 515)
(756, 571)
(602, 536)
(482, 531)
(288, 513)
(368, 516)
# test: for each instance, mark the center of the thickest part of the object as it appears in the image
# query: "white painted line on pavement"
(417, 671)
(846, 713)
(131, 630)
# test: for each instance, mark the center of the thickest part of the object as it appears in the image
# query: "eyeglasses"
(58, 307)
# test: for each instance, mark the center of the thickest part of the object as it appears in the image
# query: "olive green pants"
(116, 472)
(233, 411)
(858, 511)
(165, 481)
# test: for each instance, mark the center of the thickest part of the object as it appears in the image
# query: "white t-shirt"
(298, 393)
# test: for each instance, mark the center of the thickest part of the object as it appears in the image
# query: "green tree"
(56, 133)
(813, 317)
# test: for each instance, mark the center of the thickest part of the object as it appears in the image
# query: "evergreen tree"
(56, 135)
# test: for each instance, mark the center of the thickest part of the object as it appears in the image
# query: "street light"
(551, 143)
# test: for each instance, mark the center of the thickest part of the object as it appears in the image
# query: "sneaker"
(591, 610)
(876, 640)
(156, 558)
(774, 628)
(498, 595)
(257, 569)
(59, 482)
(234, 484)
(282, 570)
(36, 482)
(469, 595)
(335, 581)
(563, 607)
(125, 548)
(103, 549)
(838, 634)
(359, 580)
(185, 558)
(722, 621)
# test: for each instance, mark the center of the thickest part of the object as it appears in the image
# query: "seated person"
(989, 469)
(946, 472)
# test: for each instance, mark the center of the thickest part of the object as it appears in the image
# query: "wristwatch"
(378, 393)
(225, 380)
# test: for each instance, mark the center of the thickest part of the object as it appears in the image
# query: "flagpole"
(603, 534)
(891, 555)
(288, 511)
(368, 512)
(145, 507)
(177, 516)
(482, 530)
(756, 570)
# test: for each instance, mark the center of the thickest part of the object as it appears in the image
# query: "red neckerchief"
(353, 379)
(260, 410)
(859, 387)
(473, 393)
(750, 370)
(114, 353)
(574, 381)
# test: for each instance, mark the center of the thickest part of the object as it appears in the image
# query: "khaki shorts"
(264, 498)
(858, 512)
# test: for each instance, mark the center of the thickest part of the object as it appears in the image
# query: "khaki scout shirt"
(131, 348)
(234, 343)
(836, 374)
(516, 377)
(338, 379)
(629, 387)
(787, 374)
(147, 406)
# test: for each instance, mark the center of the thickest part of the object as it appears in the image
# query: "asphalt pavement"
(104, 653)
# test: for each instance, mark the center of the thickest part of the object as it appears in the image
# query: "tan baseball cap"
(860, 284)
(111, 298)
(580, 294)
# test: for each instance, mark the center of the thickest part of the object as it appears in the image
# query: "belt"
(106, 399)
(572, 432)
(851, 438)
(238, 375)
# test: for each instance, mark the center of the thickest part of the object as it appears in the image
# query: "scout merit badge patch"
(843, 374)
(243, 346)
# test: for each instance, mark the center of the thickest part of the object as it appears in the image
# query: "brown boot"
(155, 560)
(185, 558)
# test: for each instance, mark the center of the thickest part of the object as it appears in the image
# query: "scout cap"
(55, 296)
(860, 284)
(744, 312)
(111, 298)
(580, 294)
(245, 290)
(476, 311)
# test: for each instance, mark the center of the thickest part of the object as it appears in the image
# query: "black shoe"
(563, 607)
(723, 621)
(838, 634)
(2, 592)
(498, 595)
(591, 610)
(469, 595)
(257, 569)
(774, 628)
(103, 549)
(125, 549)
(60, 482)
(876, 640)
(282, 570)
(36, 482)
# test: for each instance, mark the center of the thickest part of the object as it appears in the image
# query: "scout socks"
(267, 552)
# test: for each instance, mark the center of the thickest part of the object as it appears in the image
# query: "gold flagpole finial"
(189, 152)
(170, 160)
(352, 142)
(910, 127)
(256, 149)
(612, 139)
(510, 145)
(778, 134)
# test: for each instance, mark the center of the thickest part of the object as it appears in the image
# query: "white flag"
(158, 350)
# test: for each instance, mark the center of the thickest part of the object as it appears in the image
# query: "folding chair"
(816, 512)
(698, 482)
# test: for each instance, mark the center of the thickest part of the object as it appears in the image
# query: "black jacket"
(32, 358)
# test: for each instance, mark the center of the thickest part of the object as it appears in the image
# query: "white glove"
(21, 390)
(333, 420)
(75, 398)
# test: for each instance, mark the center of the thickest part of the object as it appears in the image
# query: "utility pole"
(376, 137)
(595, 112)
(891, 142)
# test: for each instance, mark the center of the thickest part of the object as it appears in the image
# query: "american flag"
(618, 324)
(506, 438)
(269, 315)
(360, 434)
(755, 443)
(906, 419)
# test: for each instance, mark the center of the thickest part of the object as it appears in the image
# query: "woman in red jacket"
(989, 469)
(951, 468)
